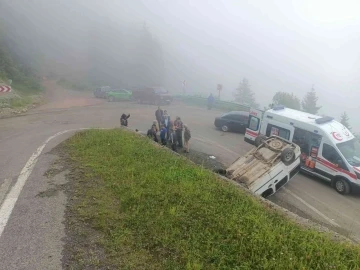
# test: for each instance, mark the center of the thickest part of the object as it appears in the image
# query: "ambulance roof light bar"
(279, 107)
(324, 120)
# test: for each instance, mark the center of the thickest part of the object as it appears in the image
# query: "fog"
(278, 45)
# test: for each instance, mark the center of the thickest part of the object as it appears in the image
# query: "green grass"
(153, 210)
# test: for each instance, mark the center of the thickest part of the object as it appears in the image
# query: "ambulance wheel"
(287, 156)
(225, 128)
(259, 140)
(341, 186)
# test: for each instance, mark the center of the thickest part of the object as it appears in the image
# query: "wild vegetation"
(25, 82)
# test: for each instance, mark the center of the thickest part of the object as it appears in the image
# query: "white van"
(328, 149)
(267, 168)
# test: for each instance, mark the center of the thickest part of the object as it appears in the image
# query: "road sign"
(5, 89)
(219, 88)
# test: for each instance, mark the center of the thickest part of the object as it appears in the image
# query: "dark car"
(233, 121)
(101, 92)
(152, 95)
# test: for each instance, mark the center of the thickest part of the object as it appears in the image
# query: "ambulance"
(328, 149)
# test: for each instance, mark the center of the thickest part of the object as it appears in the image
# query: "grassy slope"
(154, 210)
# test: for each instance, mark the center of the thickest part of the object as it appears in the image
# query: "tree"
(344, 119)
(309, 102)
(286, 99)
(149, 59)
(244, 94)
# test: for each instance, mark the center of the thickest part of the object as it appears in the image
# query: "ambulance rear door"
(253, 129)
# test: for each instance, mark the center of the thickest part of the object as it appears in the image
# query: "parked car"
(233, 121)
(266, 168)
(119, 94)
(101, 92)
(152, 95)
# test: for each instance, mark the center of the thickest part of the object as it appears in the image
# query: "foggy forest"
(284, 52)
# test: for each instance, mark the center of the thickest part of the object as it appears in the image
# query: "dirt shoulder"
(53, 97)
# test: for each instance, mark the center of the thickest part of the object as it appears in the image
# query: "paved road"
(32, 236)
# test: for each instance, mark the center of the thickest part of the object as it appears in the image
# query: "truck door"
(253, 128)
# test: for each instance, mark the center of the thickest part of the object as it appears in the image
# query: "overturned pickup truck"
(265, 169)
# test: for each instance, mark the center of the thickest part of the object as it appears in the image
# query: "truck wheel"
(225, 128)
(341, 186)
(287, 156)
(259, 140)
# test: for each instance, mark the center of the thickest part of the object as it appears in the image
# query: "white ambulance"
(328, 149)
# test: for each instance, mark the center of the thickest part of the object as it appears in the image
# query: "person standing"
(163, 132)
(165, 119)
(159, 115)
(172, 139)
(166, 122)
(151, 133)
(124, 119)
(179, 126)
(169, 128)
(211, 101)
(187, 137)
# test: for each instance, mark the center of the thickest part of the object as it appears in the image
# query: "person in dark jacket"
(124, 119)
(151, 133)
(179, 126)
(154, 125)
(211, 101)
(187, 137)
(159, 115)
(163, 132)
(173, 139)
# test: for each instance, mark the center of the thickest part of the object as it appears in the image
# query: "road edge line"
(12, 197)
(312, 208)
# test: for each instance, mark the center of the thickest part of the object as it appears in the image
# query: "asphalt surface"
(32, 236)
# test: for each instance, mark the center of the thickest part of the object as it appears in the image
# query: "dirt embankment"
(54, 97)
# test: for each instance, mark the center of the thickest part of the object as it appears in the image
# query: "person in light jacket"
(166, 121)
